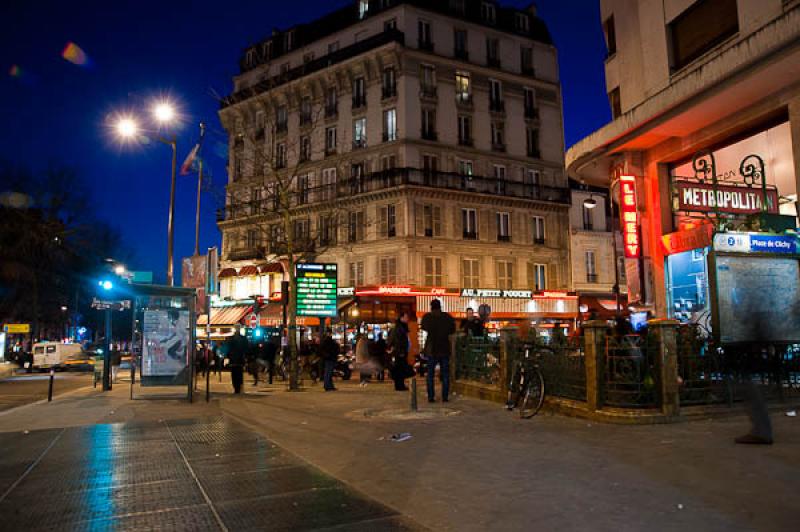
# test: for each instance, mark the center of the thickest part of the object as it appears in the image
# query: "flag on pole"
(188, 163)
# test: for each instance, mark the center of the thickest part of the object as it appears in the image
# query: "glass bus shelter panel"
(163, 326)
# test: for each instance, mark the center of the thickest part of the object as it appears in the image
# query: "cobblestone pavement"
(192, 474)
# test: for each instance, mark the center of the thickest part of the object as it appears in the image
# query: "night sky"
(56, 113)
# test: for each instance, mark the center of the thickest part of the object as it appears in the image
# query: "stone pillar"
(594, 361)
(666, 364)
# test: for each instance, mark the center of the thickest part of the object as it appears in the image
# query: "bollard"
(414, 394)
(50, 388)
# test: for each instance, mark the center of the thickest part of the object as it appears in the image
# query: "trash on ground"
(26, 432)
(304, 422)
(400, 436)
(792, 413)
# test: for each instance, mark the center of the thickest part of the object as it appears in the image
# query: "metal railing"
(629, 372)
(478, 360)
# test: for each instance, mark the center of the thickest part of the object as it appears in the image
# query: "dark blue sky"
(55, 113)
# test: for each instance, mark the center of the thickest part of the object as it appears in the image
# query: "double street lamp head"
(164, 114)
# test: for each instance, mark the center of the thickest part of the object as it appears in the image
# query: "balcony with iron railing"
(397, 177)
(531, 113)
(316, 65)
(427, 91)
(388, 91)
(592, 278)
(497, 106)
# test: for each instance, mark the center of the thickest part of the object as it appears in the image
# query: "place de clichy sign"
(700, 197)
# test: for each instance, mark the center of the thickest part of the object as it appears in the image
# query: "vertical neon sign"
(630, 216)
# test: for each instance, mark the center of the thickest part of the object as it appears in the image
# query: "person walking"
(269, 353)
(399, 344)
(439, 326)
(237, 351)
(329, 352)
(472, 324)
(378, 356)
(362, 359)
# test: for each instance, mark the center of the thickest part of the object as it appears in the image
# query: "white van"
(52, 354)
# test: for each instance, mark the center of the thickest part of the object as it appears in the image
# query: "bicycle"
(527, 387)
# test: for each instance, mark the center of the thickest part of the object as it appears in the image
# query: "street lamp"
(165, 115)
(119, 269)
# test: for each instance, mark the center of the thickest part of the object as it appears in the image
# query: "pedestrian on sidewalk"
(472, 324)
(268, 354)
(329, 352)
(399, 346)
(237, 351)
(362, 359)
(378, 356)
(439, 326)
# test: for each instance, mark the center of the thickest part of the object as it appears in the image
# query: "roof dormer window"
(522, 22)
(363, 8)
(488, 12)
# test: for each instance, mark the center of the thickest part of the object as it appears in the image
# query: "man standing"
(329, 352)
(237, 350)
(439, 326)
(472, 324)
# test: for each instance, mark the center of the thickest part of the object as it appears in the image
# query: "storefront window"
(687, 287)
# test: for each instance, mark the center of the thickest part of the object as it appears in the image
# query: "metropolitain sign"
(629, 217)
(732, 199)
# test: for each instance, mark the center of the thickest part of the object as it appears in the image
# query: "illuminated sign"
(17, 328)
(629, 216)
(701, 197)
(685, 240)
(403, 291)
(316, 289)
(755, 243)
(346, 291)
(506, 294)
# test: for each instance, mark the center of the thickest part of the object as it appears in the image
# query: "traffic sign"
(17, 328)
(100, 304)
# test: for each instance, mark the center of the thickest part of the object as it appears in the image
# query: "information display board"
(316, 289)
(757, 299)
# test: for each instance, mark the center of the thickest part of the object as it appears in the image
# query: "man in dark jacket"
(439, 326)
(237, 351)
(472, 324)
(398, 344)
(329, 352)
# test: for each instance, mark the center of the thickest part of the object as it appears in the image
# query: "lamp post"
(127, 127)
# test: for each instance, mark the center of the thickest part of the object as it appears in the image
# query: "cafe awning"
(227, 272)
(248, 270)
(272, 267)
(225, 315)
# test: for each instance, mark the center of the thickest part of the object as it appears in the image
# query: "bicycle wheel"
(533, 394)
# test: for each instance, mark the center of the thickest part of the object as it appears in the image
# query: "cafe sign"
(732, 199)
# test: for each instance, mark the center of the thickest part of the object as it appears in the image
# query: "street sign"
(17, 328)
(755, 243)
(99, 304)
(252, 321)
(316, 289)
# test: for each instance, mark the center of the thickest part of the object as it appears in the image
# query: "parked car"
(48, 355)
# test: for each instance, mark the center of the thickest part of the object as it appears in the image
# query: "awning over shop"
(272, 267)
(227, 272)
(604, 306)
(248, 270)
(271, 315)
(225, 315)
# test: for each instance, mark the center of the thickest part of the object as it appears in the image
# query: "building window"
(532, 142)
(388, 162)
(464, 168)
(305, 148)
(360, 133)
(282, 119)
(388, 270)
(328, 188)
(357, 172)
(503, 227)
(280, 155)
(288, 40)
(302, 231)
(356, 273)
(251, 239)
(388, 221)
(530, 103)
(428, 124)
(305, 111)
(363, 8)
(327, 230)
(533, 177)
(611, 35)
(389, 83)
(463, 88)
(470, 273)
(505, 275)
(390, 25)
(465, 130)
(495, 96)
(330, 140)
(588, 224)
(433, 271)
(432, 220)
(701, 27)
(460, 44)
(260, 120)
(500, 178)
(237, 168)
(355, 226)
(538, 230)
(389, 125)
(285, 69)
(331, 102)
(493, 52)
(526, 60)
(538, 276)
(498, 136)
(428, 81)
(469, 224)
(591, 272)
(303, 185)
(359, 93)
(488, 12)
(424, 35)
(521, 22)
(615, 103)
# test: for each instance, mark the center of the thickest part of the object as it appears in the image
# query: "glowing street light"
(164, 112)
(119, 269)
(127, 128)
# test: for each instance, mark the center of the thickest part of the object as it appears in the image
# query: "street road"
(19, 390)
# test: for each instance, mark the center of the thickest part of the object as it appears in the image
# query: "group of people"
(374, 357)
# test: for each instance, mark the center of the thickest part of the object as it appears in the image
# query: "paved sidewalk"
(473, 466)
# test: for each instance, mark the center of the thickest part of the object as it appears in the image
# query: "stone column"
(594, 361)
(666, 364)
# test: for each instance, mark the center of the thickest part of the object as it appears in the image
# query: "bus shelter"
(163, 341)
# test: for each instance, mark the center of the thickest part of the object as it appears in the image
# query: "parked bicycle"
(527, 387)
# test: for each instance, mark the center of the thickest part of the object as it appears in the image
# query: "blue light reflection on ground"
(99, 501)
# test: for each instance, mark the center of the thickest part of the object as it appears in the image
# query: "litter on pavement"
(400, 436)
(792, 413)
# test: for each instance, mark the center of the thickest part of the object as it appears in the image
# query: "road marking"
(30, 467)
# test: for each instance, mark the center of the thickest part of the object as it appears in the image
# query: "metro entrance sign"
(316, 289)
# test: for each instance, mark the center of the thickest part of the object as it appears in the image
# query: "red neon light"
(386, 290)
(629, 216)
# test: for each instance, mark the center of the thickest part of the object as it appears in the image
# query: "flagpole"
(199, 185)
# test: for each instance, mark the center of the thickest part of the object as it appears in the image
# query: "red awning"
(227, 272)
(226, 315)
(248, 270)
(272, 267)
